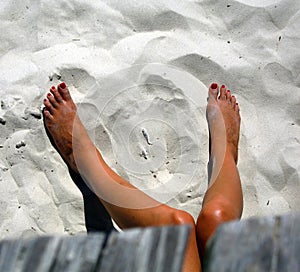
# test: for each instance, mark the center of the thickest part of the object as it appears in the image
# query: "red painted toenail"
(48, 94)
(45, 100)
(228, 91)
(63, 85)
(223, 87)
(214, 85)
(53, 88)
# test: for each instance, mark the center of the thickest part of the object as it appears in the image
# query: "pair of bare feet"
(223, 199)
(60, 116)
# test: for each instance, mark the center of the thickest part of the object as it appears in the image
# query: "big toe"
(213, 91)
(64, 91)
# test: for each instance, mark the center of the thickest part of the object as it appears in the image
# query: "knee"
(211, 216)
(217, 212)
(183, 218)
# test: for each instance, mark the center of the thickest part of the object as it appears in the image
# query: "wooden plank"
(40, 254)
(79, 253)
(288, 237)
(256, 244)
(10, 252)
(150, 249)
(28, 254)
(143, 249)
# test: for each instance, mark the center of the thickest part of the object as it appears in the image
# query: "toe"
(47, 114)
(48, 106)
(213, 91)
(64, 92)
(52, 100)
(233, 100)
(228, 95)
(56, 94)
(236, 107)
(222, 92)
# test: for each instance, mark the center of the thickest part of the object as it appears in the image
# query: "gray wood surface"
(257, 244)
(141, 249)
(154, 249)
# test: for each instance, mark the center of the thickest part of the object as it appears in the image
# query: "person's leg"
(127, 205)
(96, 216)
(223, 200)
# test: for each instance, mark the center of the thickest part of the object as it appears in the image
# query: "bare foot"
(61, 119)
(223, 120)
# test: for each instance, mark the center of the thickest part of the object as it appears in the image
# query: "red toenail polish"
(45, 100)
(228, 91)
(223, 86)
(63, 85)
(48, 94)
(214, 85)
(53, 88)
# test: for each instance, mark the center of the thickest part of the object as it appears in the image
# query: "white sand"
(144, 66)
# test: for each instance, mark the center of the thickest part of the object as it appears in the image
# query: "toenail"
(48, 94)
(45, 100)
(223, 86)
(214, 86)
(228, 91)
(63, 85)
(53, 88)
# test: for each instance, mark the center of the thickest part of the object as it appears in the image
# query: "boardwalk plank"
(154, 249)
(143, 249)
(256, 244)
(79, 253)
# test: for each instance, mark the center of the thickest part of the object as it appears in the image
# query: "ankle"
(232, 152)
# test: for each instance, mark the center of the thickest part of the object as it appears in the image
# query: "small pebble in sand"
(2, 121)
(36, 115)
(146, 135)
(21, 144)
(144, 154)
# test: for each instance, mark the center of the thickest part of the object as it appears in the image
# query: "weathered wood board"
(256, 245)
(142, 249)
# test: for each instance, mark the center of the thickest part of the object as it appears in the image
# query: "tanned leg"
(77, 149)
(223, 200)
(96, 216)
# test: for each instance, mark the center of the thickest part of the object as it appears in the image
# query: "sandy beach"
(140, 72)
